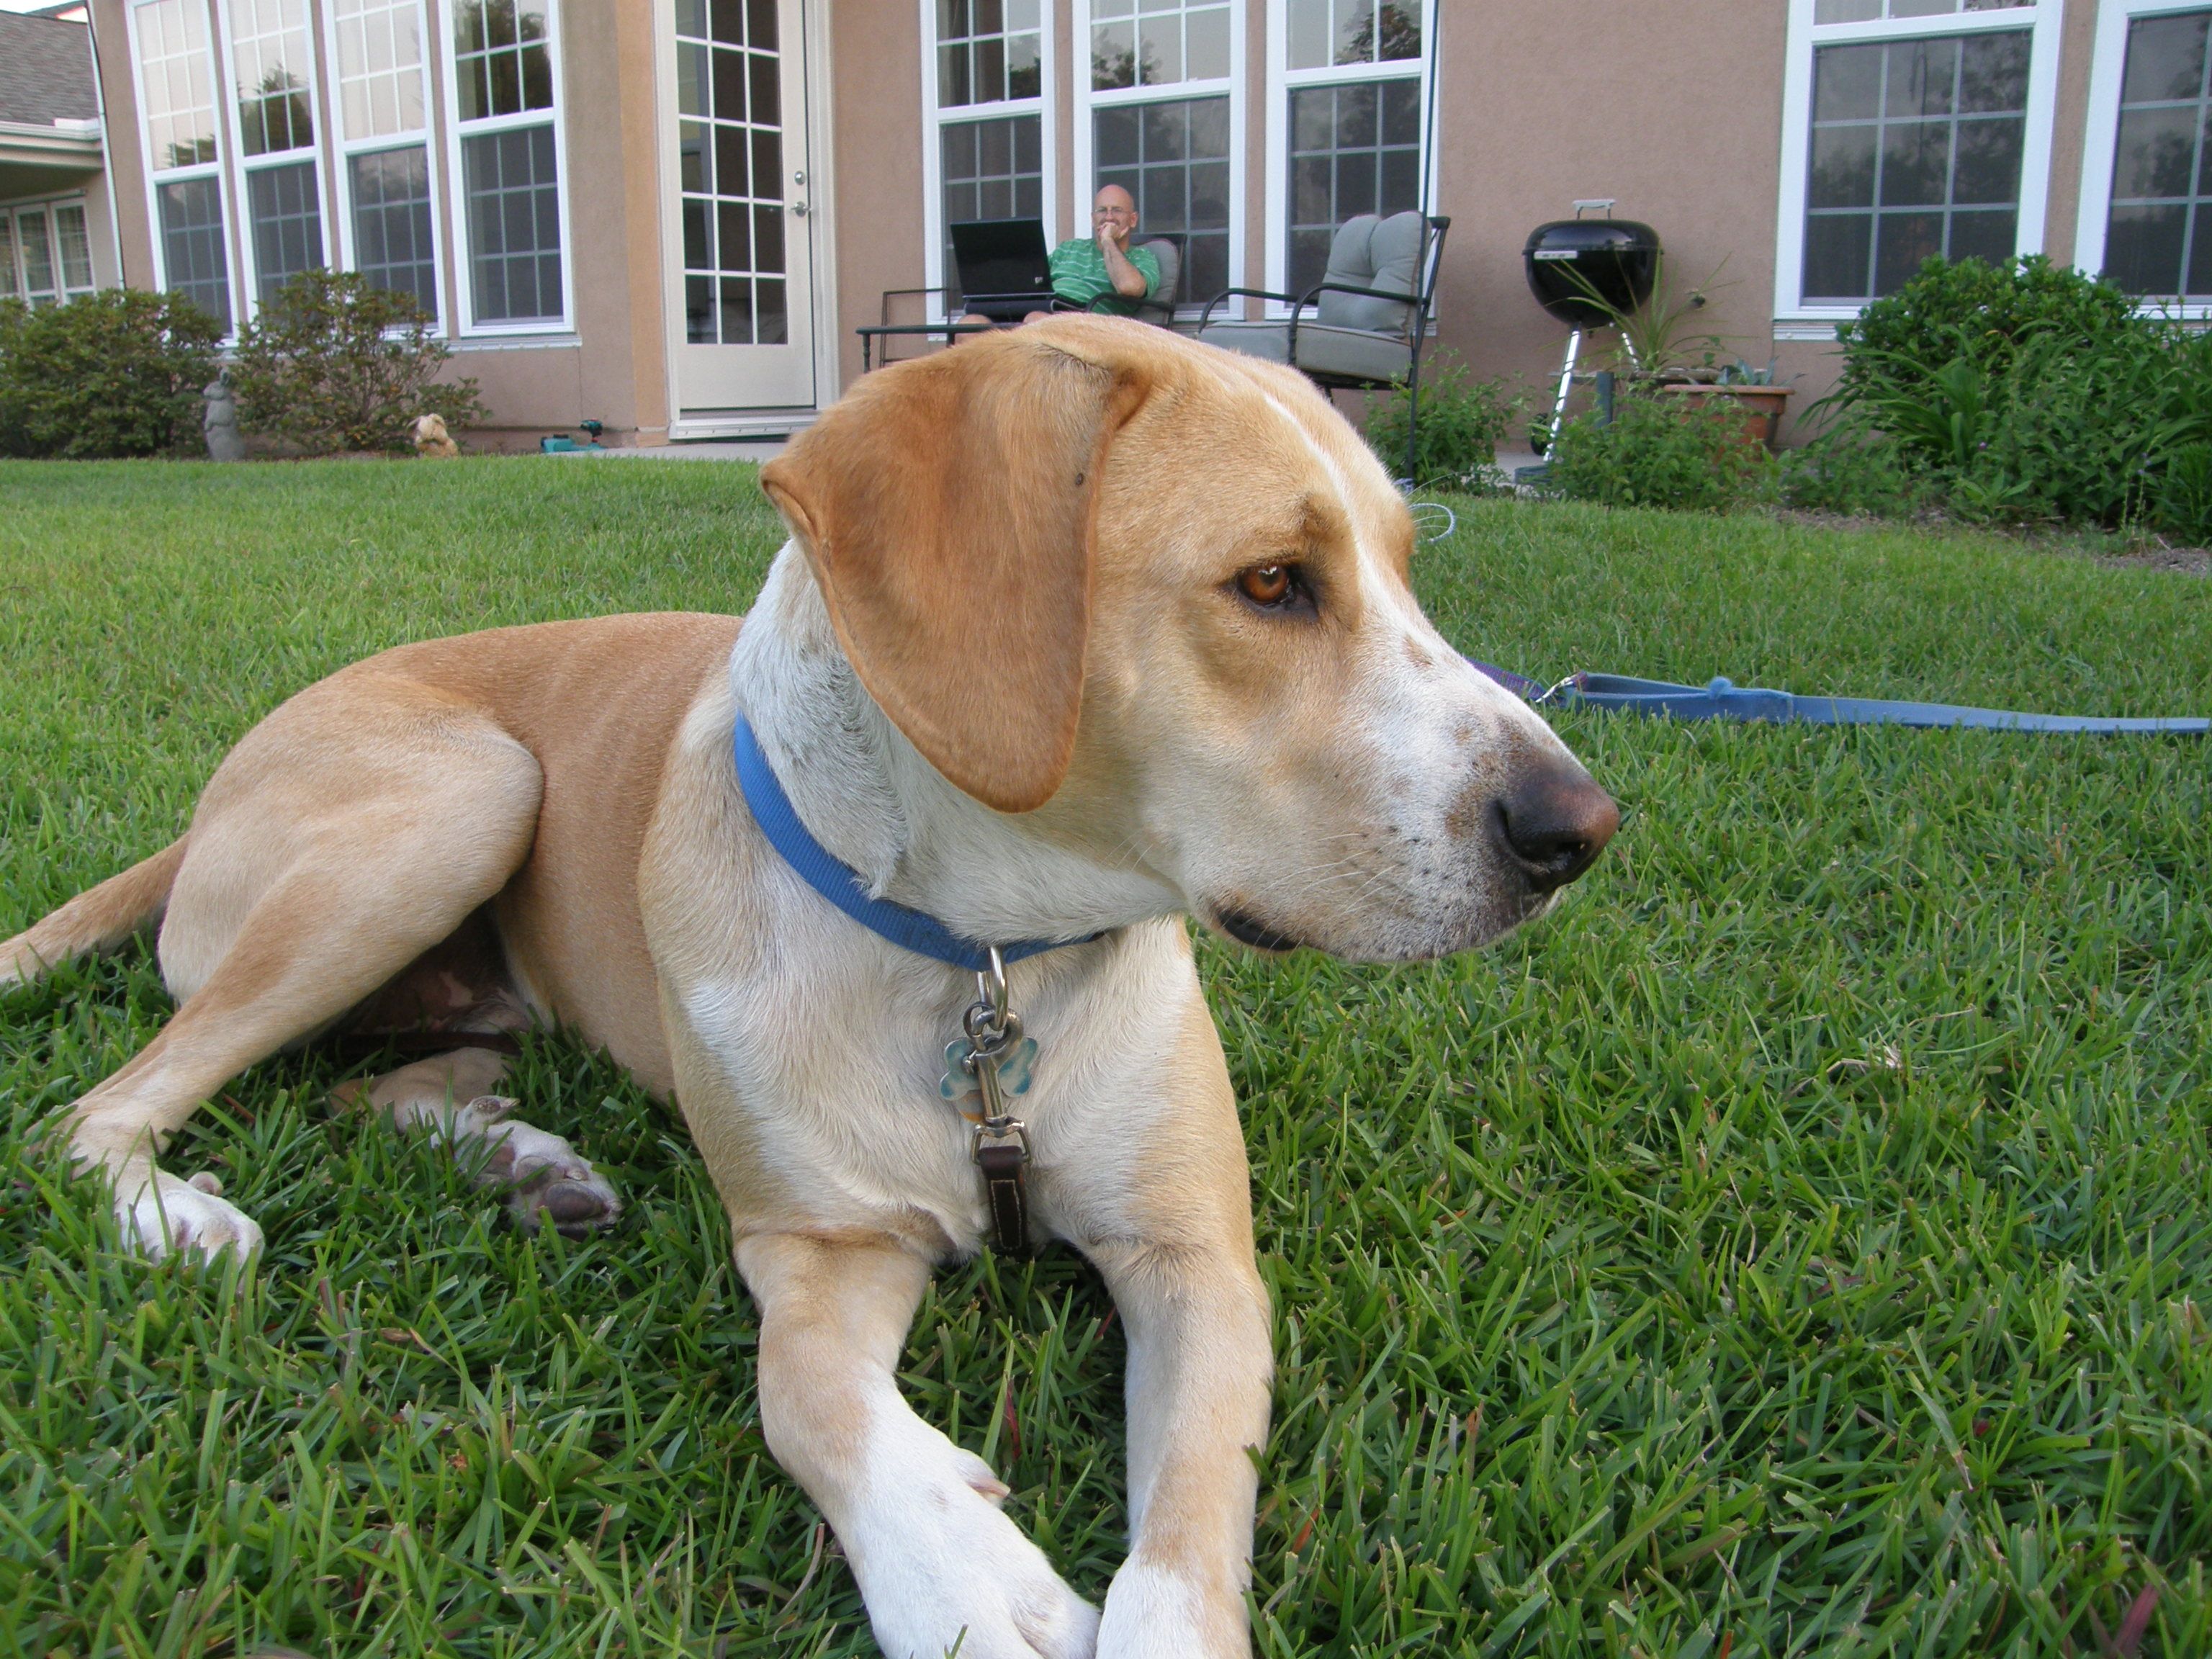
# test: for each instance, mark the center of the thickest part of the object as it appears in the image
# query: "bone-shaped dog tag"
(961, 1086)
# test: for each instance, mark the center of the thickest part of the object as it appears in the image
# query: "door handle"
(800, 207)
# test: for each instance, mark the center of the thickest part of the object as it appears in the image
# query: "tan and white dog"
(1080, 628)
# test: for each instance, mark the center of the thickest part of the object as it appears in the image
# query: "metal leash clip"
(996, 1058)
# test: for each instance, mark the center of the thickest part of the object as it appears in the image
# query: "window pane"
(2143, 247)
(1838, 250)
(1174, 158)
(287, 222)
(1309, 34)
(514, 229)
(1933, 125)
(11, 285)
(39, 285)
(379, 53)
(991, 169)
(1354, 149)
(74, 244)
(502, 65)
(391, 223)
(179, 90)
(2157, 238)
(2166, 58)
(271, 64)
(192, 245)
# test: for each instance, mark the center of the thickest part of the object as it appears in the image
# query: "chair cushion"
(1372, 252)
(1268, 340)
(1352, 354)
(1343, 354)
(1166, 292)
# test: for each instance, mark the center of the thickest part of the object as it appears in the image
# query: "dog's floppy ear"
(948, 506)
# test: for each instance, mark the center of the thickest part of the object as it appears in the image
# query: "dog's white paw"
(942, 1571)
(1154, 1614)
(163, 1214)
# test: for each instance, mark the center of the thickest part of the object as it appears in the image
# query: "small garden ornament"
(219, 422)
(431, 442)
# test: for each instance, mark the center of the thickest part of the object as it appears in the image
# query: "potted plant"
(1662, 351)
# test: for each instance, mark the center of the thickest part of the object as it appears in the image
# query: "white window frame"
(2044, 21)
(241, 165)
(345, 149)
(464, 258)
(2107, 62)
(1283, 80)
(50, 205)
(935, 120)
(1089, 100)
(215, 170)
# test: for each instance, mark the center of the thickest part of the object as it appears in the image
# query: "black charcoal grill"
(1569, 260)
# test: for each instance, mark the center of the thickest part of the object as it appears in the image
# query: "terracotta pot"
(1762, 407)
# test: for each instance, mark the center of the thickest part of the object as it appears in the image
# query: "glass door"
(741, 265)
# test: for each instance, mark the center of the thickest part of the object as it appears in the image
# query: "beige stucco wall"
(875, 72)
(1676, 110)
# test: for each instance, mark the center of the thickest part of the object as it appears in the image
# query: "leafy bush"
(2029, 391)
(115, 373)
(332, 364)
(1976, 311)
(1658, 450)
(1849, 472)
(1463, 421)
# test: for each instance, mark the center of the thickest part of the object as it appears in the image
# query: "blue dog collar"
(841, 885)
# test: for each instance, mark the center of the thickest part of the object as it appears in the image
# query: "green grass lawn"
(1791, 1248)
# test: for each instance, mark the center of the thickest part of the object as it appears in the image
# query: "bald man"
(1101, 271)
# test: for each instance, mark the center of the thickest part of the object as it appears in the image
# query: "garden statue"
(219, 422)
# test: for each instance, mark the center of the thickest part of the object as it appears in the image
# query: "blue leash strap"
(1721, 699)
(841, 885)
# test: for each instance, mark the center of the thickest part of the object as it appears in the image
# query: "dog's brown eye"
(1265, 584)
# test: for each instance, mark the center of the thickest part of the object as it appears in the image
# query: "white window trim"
(49, 204)
(935, 120)
(2044, 22)
(155, 179)
(346, 148)
(241, 165)
(1089, 100)
(2107, 62)
(464, 326)
(1282, 80)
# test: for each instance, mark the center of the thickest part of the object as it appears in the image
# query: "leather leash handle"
(1007, 1195)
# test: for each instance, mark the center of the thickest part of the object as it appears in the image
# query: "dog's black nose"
(1554, 823)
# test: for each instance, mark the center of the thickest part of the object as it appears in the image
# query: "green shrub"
(115, 373)
(1851, 472)
(1463, 421)
(1977, 311)
(1658, 450)
(332, 364)
(2184, 505)
(2028, 391)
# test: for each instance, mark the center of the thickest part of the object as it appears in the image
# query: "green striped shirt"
(1079, 277)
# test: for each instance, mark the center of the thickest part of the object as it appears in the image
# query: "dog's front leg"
(1167, 1216)
(1199, 1369)
(940, 1568)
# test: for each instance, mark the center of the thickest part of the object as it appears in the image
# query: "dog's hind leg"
(350, 832)
(99, 919)
(449, 1098)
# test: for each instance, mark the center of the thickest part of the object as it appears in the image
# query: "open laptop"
(1004, 271)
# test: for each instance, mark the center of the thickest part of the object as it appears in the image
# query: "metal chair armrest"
(1206, 316)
